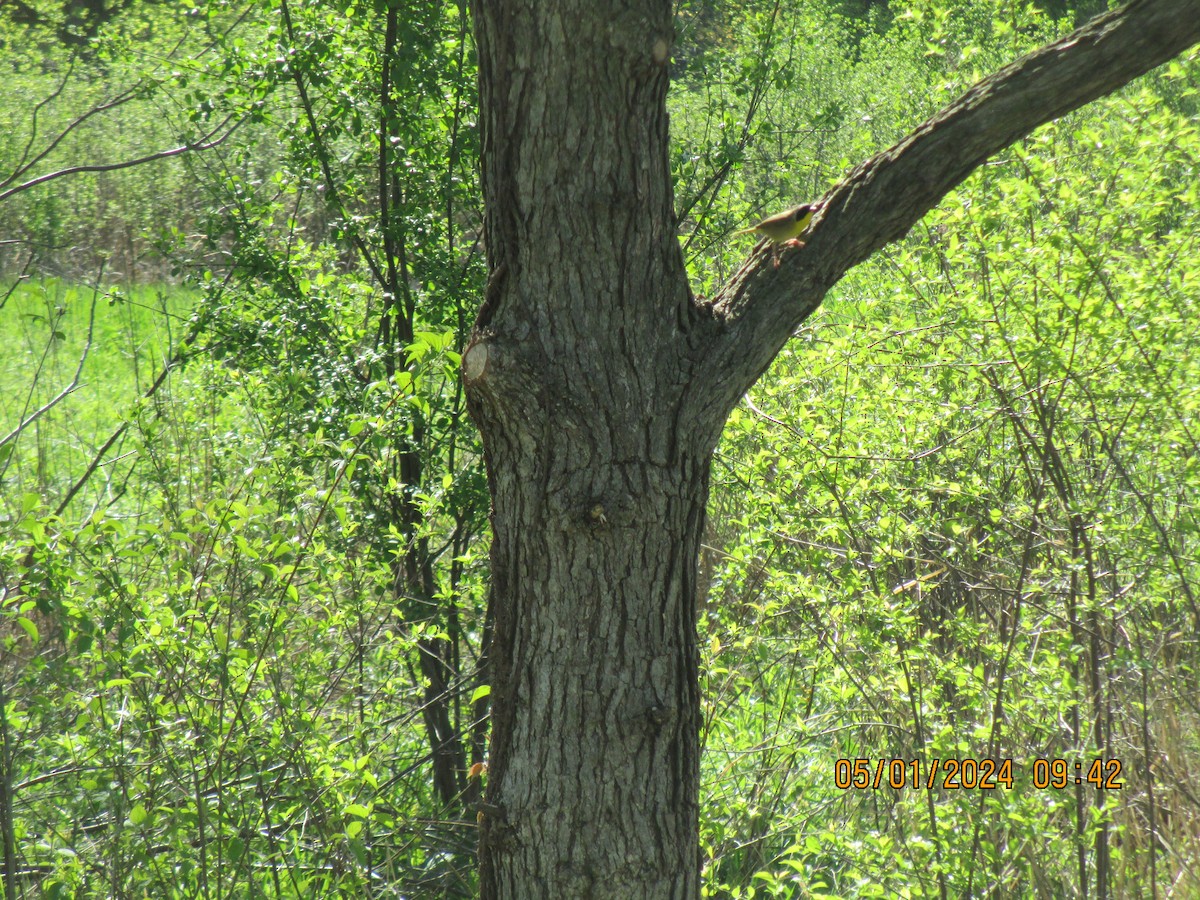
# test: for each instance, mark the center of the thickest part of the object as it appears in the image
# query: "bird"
(784, 228)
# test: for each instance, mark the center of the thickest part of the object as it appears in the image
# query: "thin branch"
(26, 421)
(207, 143)
(131, 93)
(322, 152)
(716, 178)
(33, 125)
(25, 163)
(57, 398)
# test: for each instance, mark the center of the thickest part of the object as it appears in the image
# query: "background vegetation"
(243, 518)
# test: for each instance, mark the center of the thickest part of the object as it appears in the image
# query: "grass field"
(75, 362)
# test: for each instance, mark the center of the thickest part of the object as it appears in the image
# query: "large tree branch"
(885, 196)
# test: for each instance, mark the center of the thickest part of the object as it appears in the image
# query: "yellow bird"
(784, 228)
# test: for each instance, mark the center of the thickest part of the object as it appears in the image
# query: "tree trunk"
(600, 387)
(593, 777)
(598, 484)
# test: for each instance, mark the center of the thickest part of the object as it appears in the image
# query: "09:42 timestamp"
(1104, 774)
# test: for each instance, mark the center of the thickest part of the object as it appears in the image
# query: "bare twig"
(208, 142)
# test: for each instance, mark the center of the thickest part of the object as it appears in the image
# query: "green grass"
(76, 360)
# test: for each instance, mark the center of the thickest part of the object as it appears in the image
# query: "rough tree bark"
(600, 386)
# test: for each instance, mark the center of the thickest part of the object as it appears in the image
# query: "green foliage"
(776, 114)
(955, 522)
(262, 625)
(213, 727)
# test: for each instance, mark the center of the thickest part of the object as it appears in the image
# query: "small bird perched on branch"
(784, 228)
